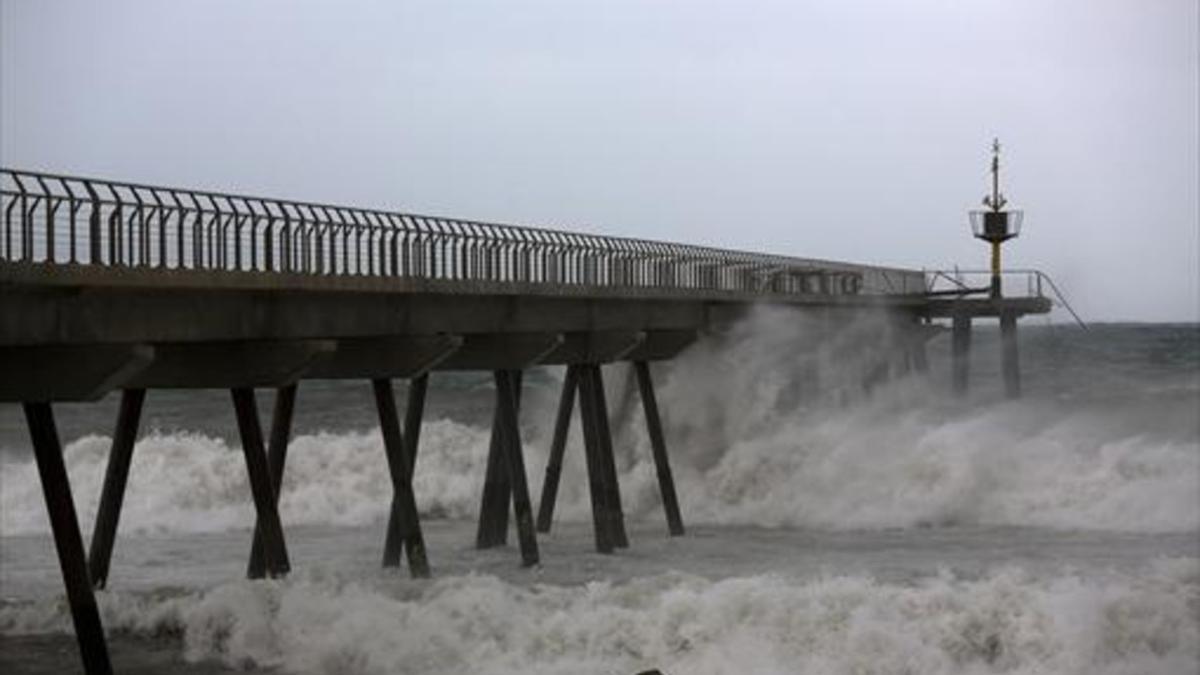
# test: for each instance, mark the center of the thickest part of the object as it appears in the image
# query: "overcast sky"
(833, 128)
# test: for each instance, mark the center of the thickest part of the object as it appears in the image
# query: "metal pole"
(995, 270)
(56, 489)
(104, 533)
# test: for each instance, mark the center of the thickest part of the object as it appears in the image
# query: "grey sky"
(839, 129)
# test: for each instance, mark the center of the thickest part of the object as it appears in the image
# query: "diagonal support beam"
(601, 522)
(414, 413)
(507, 393)
(56, 489)
(116, 477)
(281, 429)
(608, 463)
(275, 549)
(666, 482)
(408, 524)
(497, 484)
(558, 446)
(415, 410)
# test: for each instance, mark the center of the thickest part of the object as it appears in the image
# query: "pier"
(110, 286)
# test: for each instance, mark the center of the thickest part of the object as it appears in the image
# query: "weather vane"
(996, 225)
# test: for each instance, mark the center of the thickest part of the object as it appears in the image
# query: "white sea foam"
(194, 483)
(1007, 622)
(862, 468)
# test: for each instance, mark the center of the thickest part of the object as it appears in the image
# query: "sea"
(896, 529)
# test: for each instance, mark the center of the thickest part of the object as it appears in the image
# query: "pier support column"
(281, 431)
(68, 542)
(497, 485)
(508, 384)
(960, 352)
(608, 462)
(601, 521)
(407, 524)
(274, 548)
(413, 414)
(558, 446)
(1009, 357)
(917, 354)
(662, 465)
(116, 477)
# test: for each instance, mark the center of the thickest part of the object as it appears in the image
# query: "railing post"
(51, 207)
(269, 242)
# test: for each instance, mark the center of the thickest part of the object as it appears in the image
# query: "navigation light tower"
(995, 225)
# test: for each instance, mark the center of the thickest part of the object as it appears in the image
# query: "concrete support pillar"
(56, 489)
(558, 446)
(271, 529)
(407, 524)
(281, 432)
(104, 533)
(1009, 357)
(960, 352)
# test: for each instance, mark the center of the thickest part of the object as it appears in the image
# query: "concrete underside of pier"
(80, 334)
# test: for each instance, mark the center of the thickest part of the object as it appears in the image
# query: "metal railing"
(1029, 283)
(67, 220)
